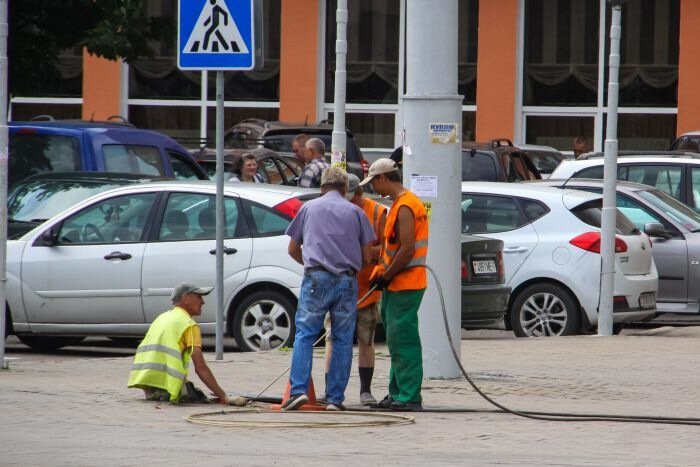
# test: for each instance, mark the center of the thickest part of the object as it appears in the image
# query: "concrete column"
(689, 68)
(496, 73)
(431, 99)
(101, 87)
(299, 51)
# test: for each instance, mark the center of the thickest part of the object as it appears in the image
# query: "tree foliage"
(40, 29)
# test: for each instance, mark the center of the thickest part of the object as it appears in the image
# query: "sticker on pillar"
(444, 133)
(424, 186)
(428, 209)
(338, 158)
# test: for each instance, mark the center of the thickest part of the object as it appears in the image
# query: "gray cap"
(353, 183)
(183, 288)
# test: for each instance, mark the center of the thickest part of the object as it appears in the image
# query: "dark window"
(133, 159)
(264, 221)
(192, 216)
(590, 213)
(115, 220)
(532, 209)
(182, 167)
(590, 172)
(490, 214)
(32, 153)
(478, 166)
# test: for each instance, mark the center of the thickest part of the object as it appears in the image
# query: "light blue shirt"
(332, 231)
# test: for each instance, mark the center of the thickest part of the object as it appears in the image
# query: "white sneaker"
(335, 407)
(366, 398)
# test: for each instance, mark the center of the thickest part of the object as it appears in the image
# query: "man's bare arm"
(206, 375)
(294, 251)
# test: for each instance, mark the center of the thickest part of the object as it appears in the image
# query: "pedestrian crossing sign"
(215, 35)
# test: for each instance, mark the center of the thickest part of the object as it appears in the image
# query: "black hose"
(549, 416)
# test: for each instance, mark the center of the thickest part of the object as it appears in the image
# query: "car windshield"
(40, 200)
(673, 208)
(545, 161)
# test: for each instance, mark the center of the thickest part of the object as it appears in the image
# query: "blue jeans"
(321, 292)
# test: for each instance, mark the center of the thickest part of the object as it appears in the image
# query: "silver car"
(675, 247)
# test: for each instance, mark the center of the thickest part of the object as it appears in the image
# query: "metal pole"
(203, 109)
(339, 136)
(3, 177)
(431, 106)
(219, 215)
(607, 242)
(398, 122)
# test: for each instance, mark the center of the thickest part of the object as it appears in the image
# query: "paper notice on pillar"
(424, 186)
(444, 133)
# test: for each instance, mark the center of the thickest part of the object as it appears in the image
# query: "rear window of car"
(478, 166)
(133, 159)
(591, 212)
(33, 153)
(490, 214)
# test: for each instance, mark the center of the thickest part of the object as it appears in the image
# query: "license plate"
(647, 300)
(484, 267)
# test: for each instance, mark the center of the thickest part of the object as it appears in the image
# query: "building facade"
(533, 71)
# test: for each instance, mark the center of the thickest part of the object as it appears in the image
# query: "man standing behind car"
(299, 147)
(316, 163)
(336, 237)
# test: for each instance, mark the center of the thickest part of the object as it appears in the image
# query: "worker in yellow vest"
(368, 309)
(405, 247)
(161, 362)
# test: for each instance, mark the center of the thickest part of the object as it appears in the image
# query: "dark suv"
(496, 161)
(278, 136)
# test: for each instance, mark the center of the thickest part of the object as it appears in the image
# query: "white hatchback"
(552, 256)
(107, 266)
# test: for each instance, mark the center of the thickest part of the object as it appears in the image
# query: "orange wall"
(689, 68)
(496, 72)
(299, 50)
(101, 79)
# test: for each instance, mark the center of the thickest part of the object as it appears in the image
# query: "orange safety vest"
(373, 211)
(413, 278)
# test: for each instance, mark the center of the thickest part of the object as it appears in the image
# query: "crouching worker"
(161, 362)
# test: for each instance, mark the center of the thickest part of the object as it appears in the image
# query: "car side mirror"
(655, 229)
(48, 238)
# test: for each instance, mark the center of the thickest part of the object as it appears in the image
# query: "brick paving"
(72, 407)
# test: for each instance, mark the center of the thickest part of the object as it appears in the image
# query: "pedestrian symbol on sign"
(215, 31)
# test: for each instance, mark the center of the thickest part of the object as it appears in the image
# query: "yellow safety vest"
(158, 362)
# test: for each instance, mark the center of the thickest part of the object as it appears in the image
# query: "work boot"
(401, 406)
(384, 403)
(366, 398)
(295, 401)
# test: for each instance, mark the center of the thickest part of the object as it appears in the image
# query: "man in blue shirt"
(336, 237)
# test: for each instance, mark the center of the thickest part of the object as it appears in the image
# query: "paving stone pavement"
(73, 408)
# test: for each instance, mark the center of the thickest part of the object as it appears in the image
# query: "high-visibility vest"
(159, 362)
(409, 278)
(373, 211)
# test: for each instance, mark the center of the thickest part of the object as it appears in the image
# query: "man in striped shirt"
(316, 163)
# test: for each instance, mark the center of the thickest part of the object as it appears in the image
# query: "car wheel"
(48, 342)
(264, 320)
(544, 310)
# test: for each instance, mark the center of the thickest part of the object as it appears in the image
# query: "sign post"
(217, 35)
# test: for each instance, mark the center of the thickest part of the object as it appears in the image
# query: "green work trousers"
(400, 318)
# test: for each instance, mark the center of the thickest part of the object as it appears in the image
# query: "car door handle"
(118, 255)
(515, 249)
(227, 250)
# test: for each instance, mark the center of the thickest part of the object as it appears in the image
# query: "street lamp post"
(607, 242)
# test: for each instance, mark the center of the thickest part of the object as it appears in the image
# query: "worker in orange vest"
(403, 281)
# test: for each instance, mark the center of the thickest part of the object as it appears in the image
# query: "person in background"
(161, 360)
(316, 163)
(299, 147)
(368, 309)
(331, 238)
(581, 146)
(248, 171)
